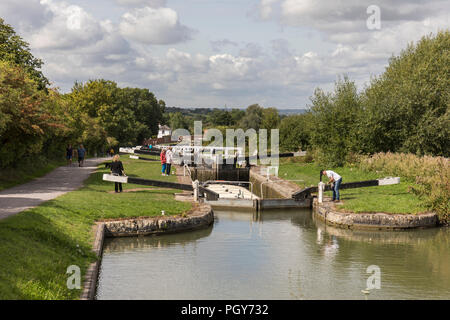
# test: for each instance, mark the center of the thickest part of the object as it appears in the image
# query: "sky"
(221, 53)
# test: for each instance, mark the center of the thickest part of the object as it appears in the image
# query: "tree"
(407, 108)
(29, 119)
(295, 132)
(253, 117)
(129, 115)
(334, 121)
(15, 50)
(93, 95)
(270, 119)
(220, 118)
(146, 108)
(177, 121)
(236, 116)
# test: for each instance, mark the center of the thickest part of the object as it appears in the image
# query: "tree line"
(37, 122)
(405, 109)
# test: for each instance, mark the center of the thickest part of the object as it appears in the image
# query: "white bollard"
(321, 189)
(195, 185)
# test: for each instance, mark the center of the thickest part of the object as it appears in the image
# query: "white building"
(164, 131)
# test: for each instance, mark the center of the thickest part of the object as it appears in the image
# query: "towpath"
(58, 182)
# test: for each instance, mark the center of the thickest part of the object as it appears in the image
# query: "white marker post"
(195, 186)
(321, 189)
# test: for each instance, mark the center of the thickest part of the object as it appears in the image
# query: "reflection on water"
(276, 255)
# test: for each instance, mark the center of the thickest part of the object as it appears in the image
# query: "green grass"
(144, 169)
(37, 246)
(388, 199)
(12, 177)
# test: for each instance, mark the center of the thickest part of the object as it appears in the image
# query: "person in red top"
(163, 162)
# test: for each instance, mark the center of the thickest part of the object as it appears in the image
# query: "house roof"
(164, 127)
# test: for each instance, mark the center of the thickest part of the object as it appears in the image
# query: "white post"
(321, 189)
(195, 185)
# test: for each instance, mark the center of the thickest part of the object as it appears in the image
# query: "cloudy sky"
(216, 53)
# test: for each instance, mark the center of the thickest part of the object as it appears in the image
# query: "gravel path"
(58, 182)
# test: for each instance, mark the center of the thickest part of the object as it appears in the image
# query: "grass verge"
(388, 199)
(37, 246)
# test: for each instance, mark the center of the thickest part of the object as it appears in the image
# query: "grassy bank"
(14, 176)
(429, 177)
(389, 199)
(37, 246)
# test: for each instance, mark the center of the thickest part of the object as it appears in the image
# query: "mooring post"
(321, 189)
(195, 186)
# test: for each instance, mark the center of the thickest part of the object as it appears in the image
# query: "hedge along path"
(58, 182)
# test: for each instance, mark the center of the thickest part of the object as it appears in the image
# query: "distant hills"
(204, 111)
(289, 112)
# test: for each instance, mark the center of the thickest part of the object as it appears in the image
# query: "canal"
(277, 255)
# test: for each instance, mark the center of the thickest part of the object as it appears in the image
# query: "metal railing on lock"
(185, 166)
(204, 184)
(273, 181)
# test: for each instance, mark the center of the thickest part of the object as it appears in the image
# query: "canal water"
(277, 255)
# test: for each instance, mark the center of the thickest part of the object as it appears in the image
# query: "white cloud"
(69, 26)
(219, 45)
(251, 50)
(154, 26)
(149, 3)
(266, 8)
(358, 51)
(25, 15)
(301, 12)
(345, 21)
(76, 45)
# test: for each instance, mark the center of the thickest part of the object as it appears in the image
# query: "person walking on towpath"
(81, 154)
(169, 160)
(69, 155)
(116, 167)
(335, 180)
(163, 162)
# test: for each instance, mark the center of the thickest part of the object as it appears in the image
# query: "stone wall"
(327, 212)
(90, 280)
(276, 189)
(200, 216)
